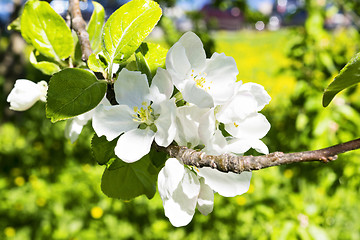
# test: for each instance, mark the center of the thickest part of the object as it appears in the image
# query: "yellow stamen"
(143, 115)
(200, 80)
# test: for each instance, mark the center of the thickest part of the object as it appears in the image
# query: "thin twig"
(79, 25)
(238, 164)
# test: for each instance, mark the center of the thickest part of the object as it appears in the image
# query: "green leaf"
(47, 31)
(47, 67)
(129, 180)
(95, 27)
(150, 56)
(77, 54)
(102, 149)
(348, 76)
(97, 63)
(127, 28)
(71, 92)
(158, 158)
(132, 66)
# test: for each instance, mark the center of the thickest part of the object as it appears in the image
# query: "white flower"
(181, 191)
(242, 120)
(200, 129)
(204, 82)
(26, 93)
(249, 98)
(197, 126)
(143, 114)
(75, 125)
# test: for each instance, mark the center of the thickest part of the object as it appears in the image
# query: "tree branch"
(79, 25)
(224, 162)
(238, 164)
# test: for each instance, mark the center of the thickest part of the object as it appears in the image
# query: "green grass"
(259, 57)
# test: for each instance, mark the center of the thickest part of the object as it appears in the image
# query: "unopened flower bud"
(26, 93)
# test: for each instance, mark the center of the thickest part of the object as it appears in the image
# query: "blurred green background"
(50, 188)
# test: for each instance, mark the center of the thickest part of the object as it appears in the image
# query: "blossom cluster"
(220, 115)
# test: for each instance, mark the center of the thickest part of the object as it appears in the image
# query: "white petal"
(177, 215)
(73, 129)
(238, 146)
(226, 184)
(239, 107)
(134, 144)
(43, 87)
(161, 86)
(75, 125)
(258, 91)
(165, 124)
(221, 72)
(25, 94)
(111, 121)
(85, 117)
(194, 50)
(190, 184)
(205, 203)
(187, 125)
(259, 146)
(178, 65)
(131, 88)
(180, 205)
(254, 126)
(169, 177)
(104, 102)
(197, 96)
(207, 126)
(216, 145)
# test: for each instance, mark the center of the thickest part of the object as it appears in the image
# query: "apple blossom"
(203, 82)
(242, 120)
(144, 114)
(248, 98)
(26, 93)
(181, 191)
(226, 184)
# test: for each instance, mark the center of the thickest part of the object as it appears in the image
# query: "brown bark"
(79, 25)
(238, 164)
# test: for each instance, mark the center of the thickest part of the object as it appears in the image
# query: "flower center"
(144, 114)
(200, 80)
